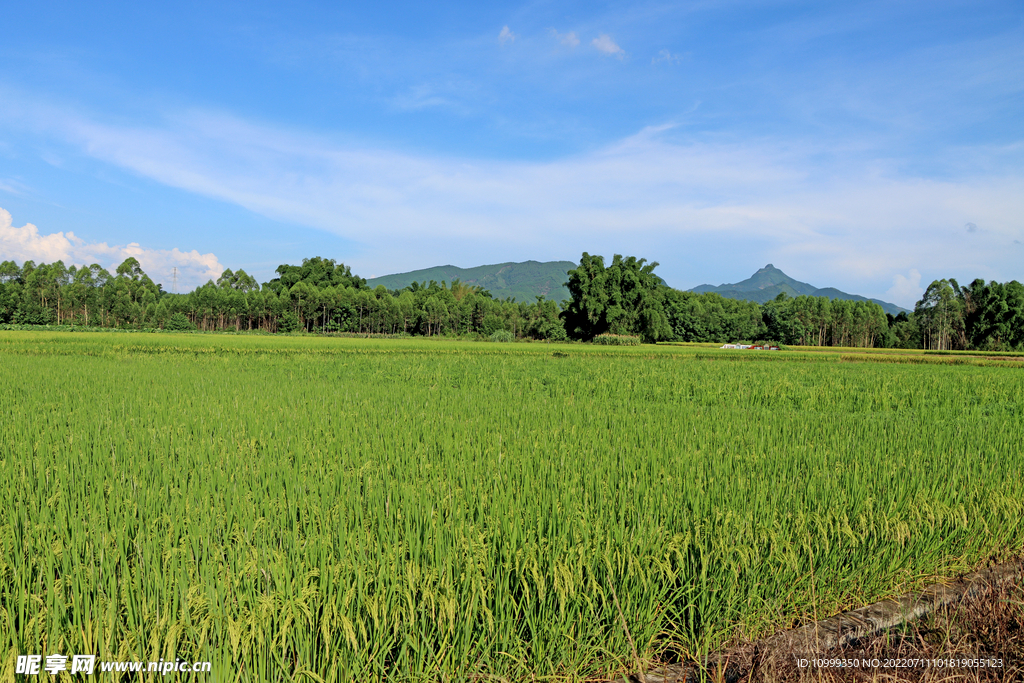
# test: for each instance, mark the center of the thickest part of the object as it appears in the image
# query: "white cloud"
(506, 35)
(421, 97)
(906, 290)
(667, 57)
(26, 243)
(11, 187)
(663, 193)
(605, 44)
(569, 39)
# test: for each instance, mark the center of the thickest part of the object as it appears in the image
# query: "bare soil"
(976, 640)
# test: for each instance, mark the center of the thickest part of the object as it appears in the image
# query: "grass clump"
(617, 340)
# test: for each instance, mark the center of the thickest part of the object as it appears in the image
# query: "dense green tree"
(11, 284)
(940, 314)
(624, 298)
(316, 271)
(712, 318)
(994, 317)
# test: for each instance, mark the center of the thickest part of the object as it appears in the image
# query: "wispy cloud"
(421, 96)
(569, 39)
(506, 35)
(28, 244)
(11, 187)
(661, 193)
(665, 57)
(905, 290)
(605, 44)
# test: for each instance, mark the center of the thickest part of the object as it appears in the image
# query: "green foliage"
(979, 316)
(287, 322)
(993, 315)
(240, 281)
(179, 322)
(492, 324)
(318, 272)
(501, 336)
(431, 510)
(324, 297)
(617, 340)
(940, 314)
(711, 317)
(625, 298)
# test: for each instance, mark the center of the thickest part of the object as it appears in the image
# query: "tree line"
(627, 298)
(623, 298)
(320, 296)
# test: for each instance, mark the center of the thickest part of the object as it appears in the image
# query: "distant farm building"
(751, 347)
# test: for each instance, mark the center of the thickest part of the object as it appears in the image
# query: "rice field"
(419, 510)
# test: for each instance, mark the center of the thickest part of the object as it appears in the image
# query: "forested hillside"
(625, 298)
(520, 281)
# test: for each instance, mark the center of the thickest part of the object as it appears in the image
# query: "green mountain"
(769, 282)
(522, 281)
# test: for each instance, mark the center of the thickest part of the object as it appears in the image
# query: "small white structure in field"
(750, 346)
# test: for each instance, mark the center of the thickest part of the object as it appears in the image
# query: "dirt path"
(978, 639)
(968, 630)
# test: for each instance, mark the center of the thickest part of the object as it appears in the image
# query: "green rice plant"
(421, 510)
(617, 340)
(502, 336)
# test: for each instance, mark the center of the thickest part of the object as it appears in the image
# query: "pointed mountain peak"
(768, 282)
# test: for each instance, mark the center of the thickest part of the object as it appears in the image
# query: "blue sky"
(870, 146)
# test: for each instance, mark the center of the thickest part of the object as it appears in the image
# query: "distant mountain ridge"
(529, 279)
(521, 281)
(768, 282)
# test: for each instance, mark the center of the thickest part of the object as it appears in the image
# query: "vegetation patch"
(617, 340)
(624, 297)
(448, 510)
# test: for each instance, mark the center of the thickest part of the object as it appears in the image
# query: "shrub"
(179, 322)
(552, 331)
(502, 336)
(288, 322)
(39, 316)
